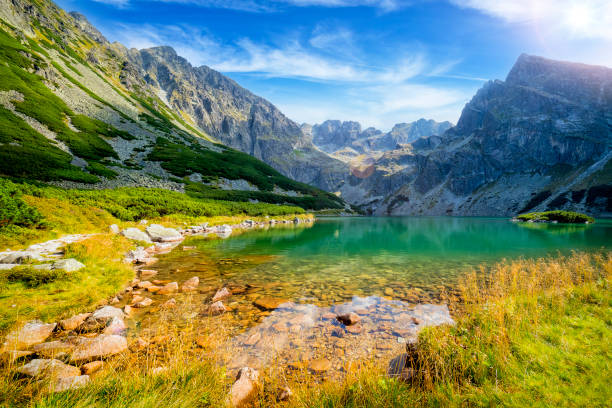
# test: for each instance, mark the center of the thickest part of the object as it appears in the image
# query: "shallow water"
(384, 268)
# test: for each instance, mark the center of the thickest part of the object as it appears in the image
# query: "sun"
(579, 17)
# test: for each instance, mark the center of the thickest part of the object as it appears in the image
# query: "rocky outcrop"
(539, 140)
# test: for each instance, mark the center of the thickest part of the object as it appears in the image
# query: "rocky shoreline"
(67, 353)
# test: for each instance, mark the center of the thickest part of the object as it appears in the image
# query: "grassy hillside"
(48, 137)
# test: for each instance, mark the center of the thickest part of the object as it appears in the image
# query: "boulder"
(116, 326)
(69, 265)
(90, 368)
(159, 233)
(170, 288)
(221, 294)
(244, 388)
(348, 319)
(190, 284)
(143, 303)
(136, 235)
(217, 308)
(114, 229)
(98, 347)
(19, 257)
(269, 303)
(41, 367)
(73, 322)
(100, 319)
(68, 383)
(53, 349)
(33, 332)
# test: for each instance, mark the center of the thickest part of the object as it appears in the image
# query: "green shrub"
(33, 278)
(101, 170)
(568, 217)
(13, 211)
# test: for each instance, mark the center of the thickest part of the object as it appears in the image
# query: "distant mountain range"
(540, 140)
(347, 139)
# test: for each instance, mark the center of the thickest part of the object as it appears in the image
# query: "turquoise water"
(413, 259)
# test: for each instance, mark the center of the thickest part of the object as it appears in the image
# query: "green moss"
(568, 217)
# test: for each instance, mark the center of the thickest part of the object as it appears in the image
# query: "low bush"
(13, 211)
(32, 277)
(568, 217)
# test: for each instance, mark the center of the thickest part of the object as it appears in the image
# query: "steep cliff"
(541, 139)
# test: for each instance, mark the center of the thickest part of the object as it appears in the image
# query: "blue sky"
(379, 62)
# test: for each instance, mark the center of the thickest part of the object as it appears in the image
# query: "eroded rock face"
(31, 333)
(244, 388)
(102, 346)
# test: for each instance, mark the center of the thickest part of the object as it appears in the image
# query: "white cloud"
(116, 3)
(577, 18)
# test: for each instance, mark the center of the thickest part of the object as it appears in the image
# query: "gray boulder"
(159, 233)
(135, 234)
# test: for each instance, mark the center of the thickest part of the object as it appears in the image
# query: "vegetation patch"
(568, 217)
(31, 277)
(13, 210)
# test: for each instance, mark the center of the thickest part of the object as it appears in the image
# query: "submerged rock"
(269, 303)
(320, 365)
(221, 294)
(217, 308)
(349, 319)
(190, 284)
(170, 288)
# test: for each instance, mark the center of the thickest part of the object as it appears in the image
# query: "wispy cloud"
(275, 5)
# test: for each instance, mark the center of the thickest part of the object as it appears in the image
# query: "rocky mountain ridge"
(346, 140)
(542, 139)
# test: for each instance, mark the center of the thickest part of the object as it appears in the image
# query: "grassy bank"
(533, 333)
(31, 213)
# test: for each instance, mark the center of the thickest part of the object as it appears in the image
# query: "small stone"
(170, 288)
(114, 229)
(398, 368)
(128, 310)
(90, 368)
(285, 394)
(143, 284)
(73, 322)
(102, 346)
(100, 319)
(31, 333)
(217, 308)
(221, 294)
(354, 329)
(143, 303)
(190, 284)
(349, 319)
(328, 316)
(147, 273)
(320, 365)
(169, 304)
(202, 341)
(244, 388)
(416, 320)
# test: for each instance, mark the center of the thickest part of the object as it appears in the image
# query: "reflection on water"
(397, 273)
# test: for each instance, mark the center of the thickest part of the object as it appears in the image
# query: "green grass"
(568, 217)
